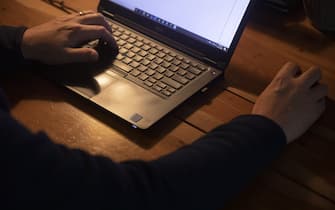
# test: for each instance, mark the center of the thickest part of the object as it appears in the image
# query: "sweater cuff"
(11, 40)
(18, 41)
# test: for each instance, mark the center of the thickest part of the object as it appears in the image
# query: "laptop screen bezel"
(221, 58)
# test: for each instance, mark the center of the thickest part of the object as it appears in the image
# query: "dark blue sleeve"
(10, 44)
(204, 175)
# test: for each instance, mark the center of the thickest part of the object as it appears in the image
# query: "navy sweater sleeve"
(203, 175)
(36, 173)
(10, 44)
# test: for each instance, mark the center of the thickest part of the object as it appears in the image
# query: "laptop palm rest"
(114, 93)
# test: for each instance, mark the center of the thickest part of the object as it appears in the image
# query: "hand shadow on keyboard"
(81, 75)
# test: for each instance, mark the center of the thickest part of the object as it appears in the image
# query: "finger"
(93, 32)
(311, 76)
(289, 70)
(85, 12)
(319, 91)
(79, 14)
(81, 55)
(95, 19)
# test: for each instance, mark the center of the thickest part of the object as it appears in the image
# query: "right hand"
(58, 41)
(293, 100)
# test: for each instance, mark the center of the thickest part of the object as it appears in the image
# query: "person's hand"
(58, 41)
(293, 100)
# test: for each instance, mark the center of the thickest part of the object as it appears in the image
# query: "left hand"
(58, 41)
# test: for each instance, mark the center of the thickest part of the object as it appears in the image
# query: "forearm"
(199, 176)
(216, 167)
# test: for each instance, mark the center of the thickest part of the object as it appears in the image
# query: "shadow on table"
(290, 28)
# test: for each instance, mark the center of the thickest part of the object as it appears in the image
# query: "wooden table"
(302, 178)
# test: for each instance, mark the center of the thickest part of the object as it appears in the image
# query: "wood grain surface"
(303, 177)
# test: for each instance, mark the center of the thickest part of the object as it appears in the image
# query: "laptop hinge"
(209, 60)
(110, 15)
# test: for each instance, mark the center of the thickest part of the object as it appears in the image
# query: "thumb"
(82, 55)
(289, 70)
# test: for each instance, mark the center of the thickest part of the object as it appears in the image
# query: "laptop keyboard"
(152, 66)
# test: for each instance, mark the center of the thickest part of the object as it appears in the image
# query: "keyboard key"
(157, 88)
(153, 51)
(190, 76)
(138, 44)
(143, 77)
(194, 64)
(146, 47)
(126, 60)
(153, 65)
(173, 68)
(194, 70)
(158, 76)
(128, 46)
(160, 54)
(142, 53)
(131, 40)
(121, 42)
(184, 65)
(168, 58)
(167, 93)
(173, 54)
(166, 64)
(153, 80)
(135, 49)
(179, 57)
(130, 54)
(134, 64)
(149, 84)
(176, 62)
(158, 60)
(171, 83)
(180, 79)
(182, 72)
(162, 85)
(172, 90)
(145, 62)
(150, 72)
(124, 37)
(160, 69)
(142, 68)
(169, 74)
(150, 57)
(135, 73)
(138, 58)
(123, 51)
(201, 67)
(120, 57)
(122, 66)
(117, 33)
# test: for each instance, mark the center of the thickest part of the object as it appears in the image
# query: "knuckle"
(101, 29)
(99, 16)
(291, 65)
(74, 29)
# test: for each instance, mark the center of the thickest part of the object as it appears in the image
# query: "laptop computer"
(168, 51)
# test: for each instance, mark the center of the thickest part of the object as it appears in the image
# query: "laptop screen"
(213, 22)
